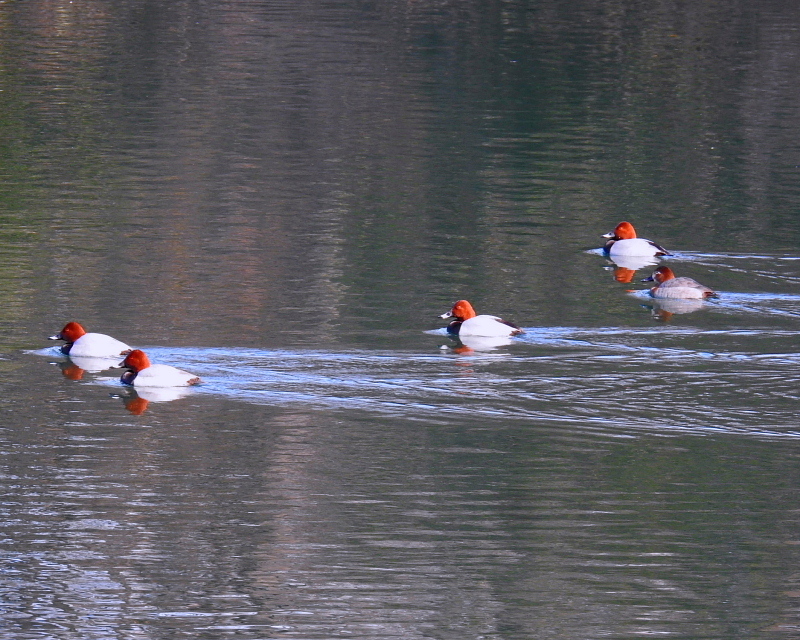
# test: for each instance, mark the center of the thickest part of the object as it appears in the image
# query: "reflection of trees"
(359, 153)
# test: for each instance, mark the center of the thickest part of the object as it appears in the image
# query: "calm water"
(282, 197)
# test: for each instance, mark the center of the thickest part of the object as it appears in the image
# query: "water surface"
(282, 198)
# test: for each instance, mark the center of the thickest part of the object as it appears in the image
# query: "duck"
(143, 374)
(91, 345)
(668, 286)
(468, 323)
(622, 241)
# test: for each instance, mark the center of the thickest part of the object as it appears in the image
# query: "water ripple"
(664, 379)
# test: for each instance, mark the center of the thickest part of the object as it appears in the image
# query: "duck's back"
(97, 345)
(682, 288)
(488, 327)
(635, 247)
(164, 375)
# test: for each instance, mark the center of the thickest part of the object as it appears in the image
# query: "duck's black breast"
(454, 327)
(128, 377)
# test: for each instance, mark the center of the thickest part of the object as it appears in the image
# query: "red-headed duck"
(622, 241)
(143, 374)
(90, 345)
(668, 286)
(468, 323)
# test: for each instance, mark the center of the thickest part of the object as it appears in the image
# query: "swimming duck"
(90, 345)
(468, 323)
(622, 241)
(143, 374)
(668, 286)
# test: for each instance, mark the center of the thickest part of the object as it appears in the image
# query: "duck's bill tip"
(55, 337)
(608, 235)
(446, 315)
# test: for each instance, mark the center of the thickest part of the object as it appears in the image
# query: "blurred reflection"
(70, 370)
(623, 275)
(135, 405)
(471, 344)
(136, 401)
(75, 366)
(95, 365)
(625, 267)
(662, 310)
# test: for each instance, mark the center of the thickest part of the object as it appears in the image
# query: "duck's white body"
(97, 345)
(670, 287)
(89, 345)
(467, 323)
(143, 374)
(635, 247)
(623, 242)
(163, 375)
(487, 327)
(682, 288)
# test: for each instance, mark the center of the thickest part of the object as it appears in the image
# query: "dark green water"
(282, 198)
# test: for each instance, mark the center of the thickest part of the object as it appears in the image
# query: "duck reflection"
(136, 401)
(625, 267)
(75, 367)
(70, 370)
(663, 310)
(94, 365)
(135, 405)
(464, 345)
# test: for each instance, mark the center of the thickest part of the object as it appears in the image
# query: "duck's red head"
(136, 360)
(662, 274)
(462, 310)
(71, 332)
(623, 231)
